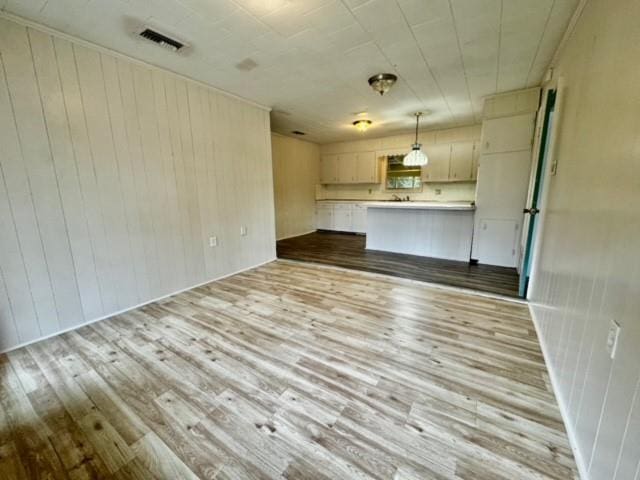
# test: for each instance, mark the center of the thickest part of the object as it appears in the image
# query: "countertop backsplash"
(435, 192)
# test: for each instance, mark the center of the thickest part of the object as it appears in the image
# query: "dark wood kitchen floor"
(348, 251)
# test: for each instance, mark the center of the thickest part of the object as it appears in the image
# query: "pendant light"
(416, 157)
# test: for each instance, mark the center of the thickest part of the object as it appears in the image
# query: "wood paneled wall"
(296, 170)
(588, 273)
(113, 176)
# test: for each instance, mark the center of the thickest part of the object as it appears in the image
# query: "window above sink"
(400, 177)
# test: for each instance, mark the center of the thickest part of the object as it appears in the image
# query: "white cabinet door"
(509, 134)
(324, 217)
(347, 168)
(461, 162)
(359, 218)
(342, 220)
(437, 170)
(497, 242)
(329, 169)
(366, 167)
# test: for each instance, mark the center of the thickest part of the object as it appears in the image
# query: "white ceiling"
(314, 56)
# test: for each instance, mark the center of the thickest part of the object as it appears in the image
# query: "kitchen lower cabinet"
(359, 218)
(341, 217)
(324, 217)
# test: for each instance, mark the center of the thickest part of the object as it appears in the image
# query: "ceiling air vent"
(298, 132)
(162, 40)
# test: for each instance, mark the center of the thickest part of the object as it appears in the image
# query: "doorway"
(532, 220)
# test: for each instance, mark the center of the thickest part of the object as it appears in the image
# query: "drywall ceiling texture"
(314, 56)
(589, 271)
(113, 176)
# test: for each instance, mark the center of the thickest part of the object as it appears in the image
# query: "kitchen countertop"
(415, 205)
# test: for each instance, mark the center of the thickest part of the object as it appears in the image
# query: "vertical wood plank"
(179, 177)
(92, 89)
(196, 252)
(86, 174)
(13, 40)
(176, 258)
(137, 161)
(67, 176)
(147, 119)
(35, 143)
(125, 173)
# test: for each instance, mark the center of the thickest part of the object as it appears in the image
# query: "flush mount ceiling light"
(382, 82)
(362, 125)
(416, 157)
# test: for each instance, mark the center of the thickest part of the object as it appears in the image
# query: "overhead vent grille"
(162, 40)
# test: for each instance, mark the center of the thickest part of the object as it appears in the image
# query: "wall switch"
(438, 191)
(213, 241)
(243, 231)
(612, 338)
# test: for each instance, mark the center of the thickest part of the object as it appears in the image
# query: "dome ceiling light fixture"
(382, 82)
(416, 157)
(362, 125)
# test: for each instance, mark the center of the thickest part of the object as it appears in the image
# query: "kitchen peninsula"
(429, 229)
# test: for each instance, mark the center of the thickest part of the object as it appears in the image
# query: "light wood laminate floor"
(289, 371)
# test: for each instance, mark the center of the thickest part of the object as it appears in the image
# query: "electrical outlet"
(438, 191)
(243, 231)
(213, 241)
(612, 338)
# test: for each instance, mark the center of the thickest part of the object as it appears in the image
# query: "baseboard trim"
(577, 454)
(119, 312)
(296, 235)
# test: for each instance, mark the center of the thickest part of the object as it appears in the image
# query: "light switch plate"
(213, 241)
(243, 231)
(612, 338)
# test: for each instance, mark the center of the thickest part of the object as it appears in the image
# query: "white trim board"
(571, 434)
(119, 312)
(85, 43)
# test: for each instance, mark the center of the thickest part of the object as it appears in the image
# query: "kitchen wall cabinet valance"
(345, 168)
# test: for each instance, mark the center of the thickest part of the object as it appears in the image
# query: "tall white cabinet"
(503, 176)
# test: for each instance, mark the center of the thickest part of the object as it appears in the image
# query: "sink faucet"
(396, 198)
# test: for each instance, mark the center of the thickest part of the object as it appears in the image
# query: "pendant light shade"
(416, 157)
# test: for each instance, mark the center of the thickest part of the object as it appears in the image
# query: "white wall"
(296, 169)
(589, 269)
(112, 177)
(446, 192)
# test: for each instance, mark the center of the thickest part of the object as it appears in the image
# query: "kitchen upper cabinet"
(347, 168)
(366, 167)
(508, 134)
(437, 170)
(329, 169)
(475, 162)
(361, 167)
(461, 163)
